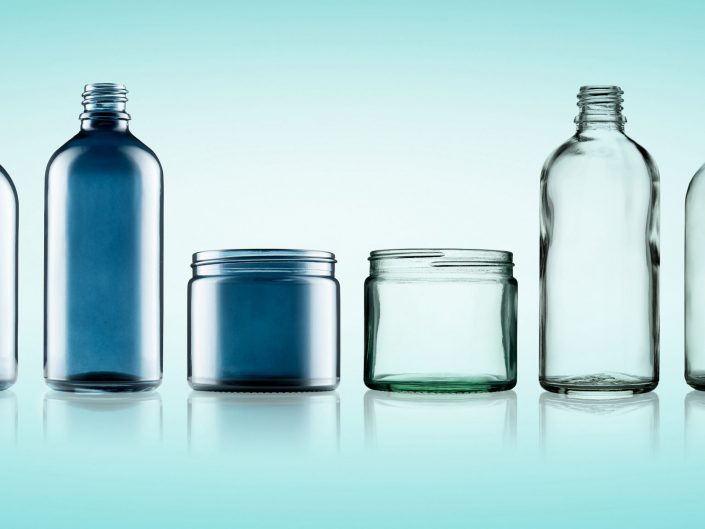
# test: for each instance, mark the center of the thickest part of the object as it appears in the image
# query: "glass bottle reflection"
(9, 214)
(264, 424)
(8, 419)
(694, 423)
(594, 427)
(103, 421)
(103, 254)
(599, 319)
(444, 423)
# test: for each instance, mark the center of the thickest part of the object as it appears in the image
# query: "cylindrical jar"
(440, 320)
(263, 320)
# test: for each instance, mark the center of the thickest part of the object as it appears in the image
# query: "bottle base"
(603, 384)
(102, 383)
(438, 384)
(264, 386)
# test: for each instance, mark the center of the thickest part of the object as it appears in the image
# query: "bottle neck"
(600, 108)
(104, 108)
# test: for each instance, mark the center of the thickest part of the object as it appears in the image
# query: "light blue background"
(350, 126)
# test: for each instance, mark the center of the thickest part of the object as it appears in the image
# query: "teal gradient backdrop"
(350, 126)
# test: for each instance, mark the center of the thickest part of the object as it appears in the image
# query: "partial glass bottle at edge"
(695, 281)
(599, 309)
(103, 254)
(8, 280)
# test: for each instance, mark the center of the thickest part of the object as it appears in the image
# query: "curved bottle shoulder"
(8, 191)
(697, 184)
(100, 150)
(610, 150)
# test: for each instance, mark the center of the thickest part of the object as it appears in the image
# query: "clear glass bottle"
(8, 280)
(695, 281)
(599, 320)
(103, 254)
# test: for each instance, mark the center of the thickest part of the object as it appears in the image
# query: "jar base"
(410, 383)
(264, 386)
(102, 383)
(602, 384)
(696, 382)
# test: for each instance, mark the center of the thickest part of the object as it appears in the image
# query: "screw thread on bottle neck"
(600, 106)
(104, 102)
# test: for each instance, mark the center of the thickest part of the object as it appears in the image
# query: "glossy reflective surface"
(412, 460)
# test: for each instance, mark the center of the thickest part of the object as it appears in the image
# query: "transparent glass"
(103, 254)
(599, 319)
(440, 320)
(263, 320)
(9, 210)
(695, 281)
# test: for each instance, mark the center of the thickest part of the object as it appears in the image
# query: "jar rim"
(447, 256)
(261, 255)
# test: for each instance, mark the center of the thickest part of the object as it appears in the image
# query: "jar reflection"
(694, 432)
(264, 423)
(103, 420)
(445, 423)
(594, 427)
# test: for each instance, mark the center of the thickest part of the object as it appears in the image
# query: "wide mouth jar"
(224, 262)
(430, 262)
(440, 320)
(263, 320)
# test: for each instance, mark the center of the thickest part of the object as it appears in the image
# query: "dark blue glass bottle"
(103, 254)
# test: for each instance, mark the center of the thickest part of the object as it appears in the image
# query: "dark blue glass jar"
(263, 320)
(103, 254)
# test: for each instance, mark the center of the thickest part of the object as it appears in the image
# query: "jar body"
(695, 281)
(103, 264)
(262, 328)
(599, 248)
(8, 281)
(445, 327)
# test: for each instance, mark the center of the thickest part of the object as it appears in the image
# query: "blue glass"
(103, 254)
(263, 320)
(8, 281)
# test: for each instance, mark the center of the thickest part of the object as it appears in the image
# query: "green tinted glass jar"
(440, 320)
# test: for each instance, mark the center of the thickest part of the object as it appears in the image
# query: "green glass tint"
(440, 320)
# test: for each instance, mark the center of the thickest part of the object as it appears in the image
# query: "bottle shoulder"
(697, 183)
(115, 149)
(601, 150)
(7, 186)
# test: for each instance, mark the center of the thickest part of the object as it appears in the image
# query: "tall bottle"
(695, 281)
(599, 322)
(103, 254)
(8, 280)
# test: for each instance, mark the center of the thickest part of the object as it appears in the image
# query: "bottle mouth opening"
(252, 256)
(105, 101)
(444, 257)
(600, 104)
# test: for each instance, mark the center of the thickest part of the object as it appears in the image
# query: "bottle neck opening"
(104, 107)
(600, 108)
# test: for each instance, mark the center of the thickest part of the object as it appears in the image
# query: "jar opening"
(434, 257)
(225, 262)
